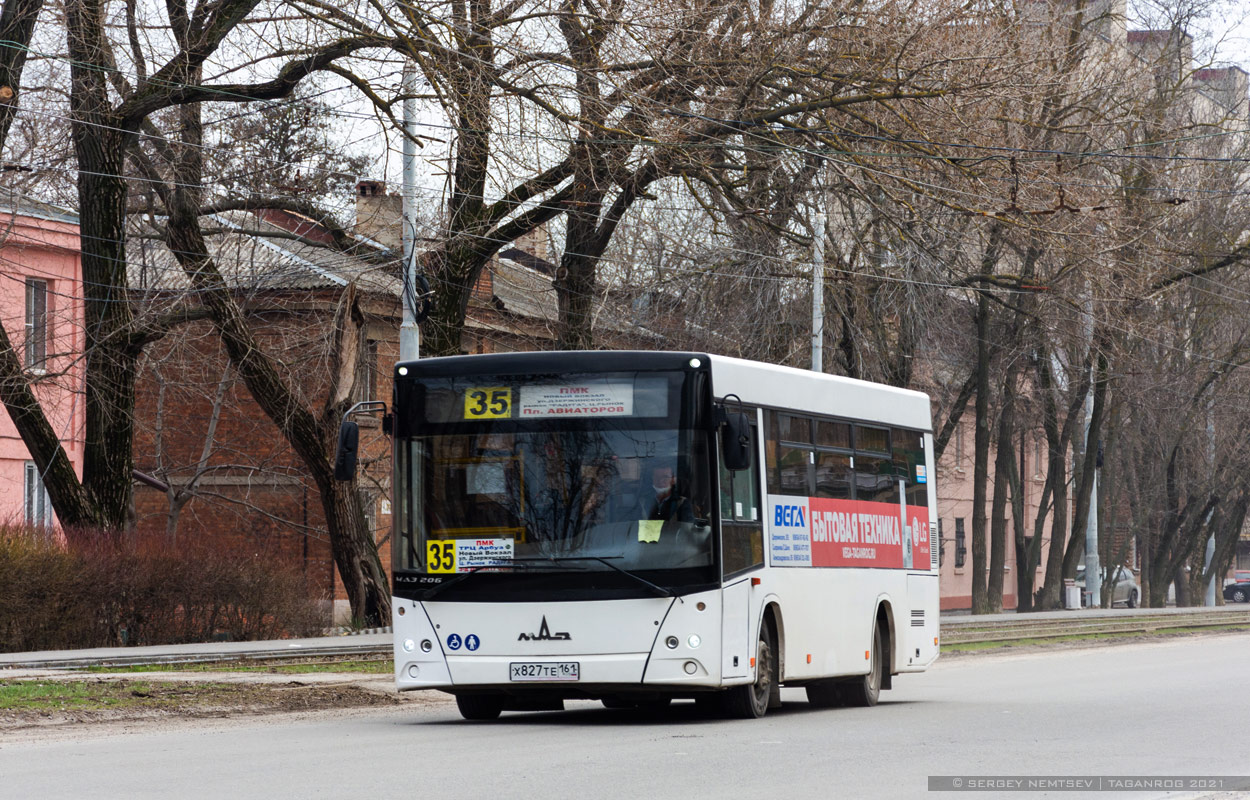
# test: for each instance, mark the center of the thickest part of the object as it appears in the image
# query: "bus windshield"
(501, 475)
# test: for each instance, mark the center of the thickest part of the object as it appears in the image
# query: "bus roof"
(817, 393)
(757, 383)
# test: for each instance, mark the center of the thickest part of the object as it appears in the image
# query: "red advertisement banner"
(855, 533)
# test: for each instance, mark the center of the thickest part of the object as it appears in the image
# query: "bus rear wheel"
(865, 691)
(479, 707)
(751, 701)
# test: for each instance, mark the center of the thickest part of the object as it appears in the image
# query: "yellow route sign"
(488, 402)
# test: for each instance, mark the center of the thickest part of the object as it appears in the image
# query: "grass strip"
(972, 647)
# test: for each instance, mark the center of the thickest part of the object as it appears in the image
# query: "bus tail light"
(752, 663)
(867, 655)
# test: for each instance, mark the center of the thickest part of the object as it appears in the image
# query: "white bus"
(635, 527)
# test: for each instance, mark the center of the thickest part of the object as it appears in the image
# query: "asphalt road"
(1166, 708)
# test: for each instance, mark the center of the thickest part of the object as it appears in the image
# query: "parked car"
(1238, 592)
(1125, 590)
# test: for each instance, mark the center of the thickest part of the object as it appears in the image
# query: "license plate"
(544, 671)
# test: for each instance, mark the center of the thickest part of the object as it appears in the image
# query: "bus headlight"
(426, 645)
(671, 642)
(409, 645)
(690, 667)
(694, 641)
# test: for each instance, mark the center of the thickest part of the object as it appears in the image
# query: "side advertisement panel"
(819, 532)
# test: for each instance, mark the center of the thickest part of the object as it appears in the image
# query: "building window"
(1038, 467)
(366, 370)
(959, 444)
(961, 547)
(38, 507)
(941, 545)
(36, 322)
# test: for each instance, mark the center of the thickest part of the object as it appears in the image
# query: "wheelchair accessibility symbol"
(453, 641)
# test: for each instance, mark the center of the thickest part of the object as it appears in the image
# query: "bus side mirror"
(735, 441)
(345, 451)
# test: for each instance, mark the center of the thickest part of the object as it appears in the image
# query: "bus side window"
(875, 481)
(790, 466)
(741, 523)
(908, 451)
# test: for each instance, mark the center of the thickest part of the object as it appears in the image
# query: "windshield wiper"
(434, 590)
(653, 586)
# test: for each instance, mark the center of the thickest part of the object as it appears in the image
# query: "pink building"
(955, 493)
(42, 312)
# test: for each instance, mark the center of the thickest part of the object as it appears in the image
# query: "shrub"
(95, 590)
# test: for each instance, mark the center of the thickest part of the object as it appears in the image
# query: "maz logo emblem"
(544, 634)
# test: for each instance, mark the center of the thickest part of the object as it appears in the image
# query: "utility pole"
(818, 288)
(409, 332)
(1093, 567)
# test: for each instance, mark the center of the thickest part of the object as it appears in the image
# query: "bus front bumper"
(522, 673)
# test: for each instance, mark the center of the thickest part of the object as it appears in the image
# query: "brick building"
(213, 465)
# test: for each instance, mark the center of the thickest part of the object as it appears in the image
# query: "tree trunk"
(17, 24)
(110, 359)
(981, 602)
(1049, 597)
(455, 274)
(1003, 462)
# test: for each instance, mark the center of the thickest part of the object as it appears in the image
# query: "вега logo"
(789, 517)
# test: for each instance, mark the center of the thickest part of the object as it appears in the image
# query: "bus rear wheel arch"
(865, 690)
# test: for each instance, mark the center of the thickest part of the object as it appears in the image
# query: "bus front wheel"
(751, 701)
(479, 707)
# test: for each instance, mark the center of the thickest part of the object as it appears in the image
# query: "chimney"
(378, 214)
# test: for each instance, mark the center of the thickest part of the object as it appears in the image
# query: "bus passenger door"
(742, 553)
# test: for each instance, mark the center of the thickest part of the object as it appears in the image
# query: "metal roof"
(251, 253)
(24, 206)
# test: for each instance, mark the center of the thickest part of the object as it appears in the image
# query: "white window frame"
(36, 504)
(36, 345)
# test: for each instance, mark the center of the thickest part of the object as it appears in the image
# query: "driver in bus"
(666, 503)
